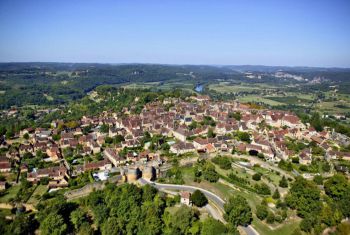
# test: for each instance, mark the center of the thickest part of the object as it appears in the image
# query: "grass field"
(257, 98)
(283, 229)
(309, 97)
(160, 85)
(268, 174)
(289, 99)
(334, 107)
(226, 87)
(5, 212)
(39, 191)
(147, 85)
(10, 194)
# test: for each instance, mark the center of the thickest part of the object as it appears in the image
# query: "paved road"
(211, 196)
(214, 212)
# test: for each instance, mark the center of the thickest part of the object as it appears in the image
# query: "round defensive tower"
(148, 173)
(132, 174)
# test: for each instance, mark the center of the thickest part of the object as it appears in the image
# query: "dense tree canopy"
(223, 161)
(209, 173)
(211, 226)
(198, 198)
(337, 186)
(238, 211)
(304, 196)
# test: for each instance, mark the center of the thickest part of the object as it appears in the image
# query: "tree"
(182, 220)
(270, 218)
(344, 203)
(343, 229)
(283, 182)
(53, 224)
(336, 186)
(276, 194)
(72, 124)
(22, 224)
(118, 139)
(108, 140)
(26, 136)
(211, 226)
(193, 125)
(330, 216)
(304, 196)
(211, 133)
(210, 174)
(326, 167)
(56, 137)
(104, 128)
(3, 223)
(9, 134)
(318, 179)
(152, 223)
(198, 198)
(223, 162)
(148, 192)
(306, 224)
(235, 115)
(238, 211)
(261, 212)
(243, 136)
(111, 226)
(77, 217)
(256, 177)
(44, 181)
(316, 122)
(85, 229)
(287, 166)
(165, 146)
(263, 189)
(2, 130)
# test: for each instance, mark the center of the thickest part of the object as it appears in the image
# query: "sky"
(235, 32)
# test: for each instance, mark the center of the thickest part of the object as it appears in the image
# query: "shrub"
(261, 212)
(223, 162)
(257, 176)
(283, 182)
(198, 198)
(262, 189)
(270, 218)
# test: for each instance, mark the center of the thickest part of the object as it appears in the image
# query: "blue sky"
(299, 32)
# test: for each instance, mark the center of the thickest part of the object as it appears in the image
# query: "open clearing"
(10, 194)
(39, 191)
(256, 98)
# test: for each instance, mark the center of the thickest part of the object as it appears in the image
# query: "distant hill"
(58, 83)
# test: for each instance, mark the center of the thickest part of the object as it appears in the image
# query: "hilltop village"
(196, 125)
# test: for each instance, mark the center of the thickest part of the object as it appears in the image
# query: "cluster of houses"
(174, 119)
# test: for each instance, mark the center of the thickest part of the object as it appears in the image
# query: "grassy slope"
(225, 192)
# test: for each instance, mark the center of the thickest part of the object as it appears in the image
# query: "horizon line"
(172, 64)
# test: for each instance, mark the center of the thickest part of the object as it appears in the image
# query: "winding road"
(249, 230)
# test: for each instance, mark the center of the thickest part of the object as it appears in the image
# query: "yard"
(35, 197)
(10, 194)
